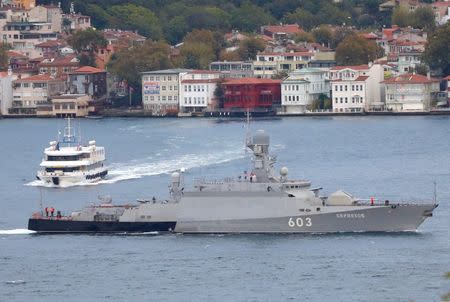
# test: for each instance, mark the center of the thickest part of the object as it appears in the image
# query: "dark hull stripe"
(67, 226)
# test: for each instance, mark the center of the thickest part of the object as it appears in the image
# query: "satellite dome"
(284, 171)
(261, 138)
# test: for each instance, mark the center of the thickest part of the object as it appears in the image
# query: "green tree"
(196, 55)
(437, 50)
(340, 34)
(400, 16)
(249, 48)
(304, 18)
(127, 64)
(87, 43)
(421, 69)
(322, 35)
(304, 37)
(250, 17)
(138, 18)
(355, 50)
(176, 29)
(423, 18)
(4, 60)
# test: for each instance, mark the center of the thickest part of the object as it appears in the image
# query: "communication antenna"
(434, 192)
(247, 130)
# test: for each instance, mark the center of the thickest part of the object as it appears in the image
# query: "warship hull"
(45, 225)
(397, 218)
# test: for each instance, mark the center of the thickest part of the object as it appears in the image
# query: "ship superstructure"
(67, 161)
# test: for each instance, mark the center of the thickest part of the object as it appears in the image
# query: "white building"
(197, 91)
(6, 95)
(356, 88)
(410, 92)
(302, 87)
(270, 64)
(407, 61)
(160, 90)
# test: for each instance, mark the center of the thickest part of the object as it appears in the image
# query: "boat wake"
(16, 232)
(149, 167)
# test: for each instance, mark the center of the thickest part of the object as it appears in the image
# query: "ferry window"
(318, 209)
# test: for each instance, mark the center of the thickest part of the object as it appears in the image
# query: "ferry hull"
(70, 226)
(61, 180)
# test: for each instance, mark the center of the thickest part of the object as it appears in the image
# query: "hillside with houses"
(223, 58)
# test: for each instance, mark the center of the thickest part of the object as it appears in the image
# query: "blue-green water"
(385, 157)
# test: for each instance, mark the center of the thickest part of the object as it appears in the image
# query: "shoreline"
(126, 114)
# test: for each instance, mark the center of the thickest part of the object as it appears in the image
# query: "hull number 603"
(299, 222)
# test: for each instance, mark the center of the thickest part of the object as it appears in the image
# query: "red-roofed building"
(252, 93)
(278, 32)
(34, 91)
(410, 92)
(59, 66)
(89, 80)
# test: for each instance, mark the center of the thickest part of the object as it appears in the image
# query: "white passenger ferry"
(68, 162)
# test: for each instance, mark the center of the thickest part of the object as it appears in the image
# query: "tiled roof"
(288, 28)
(88, 69)
(409, 78)
(251, 81)
(61, 61)
(14, 54)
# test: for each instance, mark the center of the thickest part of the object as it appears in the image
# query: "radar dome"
(175, 176)
(284, 171)
(261, 138)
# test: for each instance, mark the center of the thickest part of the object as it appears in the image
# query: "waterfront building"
(30, 92)
(252, 94)
(197, 91)
(410, 92)
(160, 90)
(356, 88)
(302, 87)
(66, 105)
(89, 80)
(270, 64)
(233, 69)
(6, 96)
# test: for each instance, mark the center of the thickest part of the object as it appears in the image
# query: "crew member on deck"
(52, 210)
(46, 212)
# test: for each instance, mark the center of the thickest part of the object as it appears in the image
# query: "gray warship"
(261, 201)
